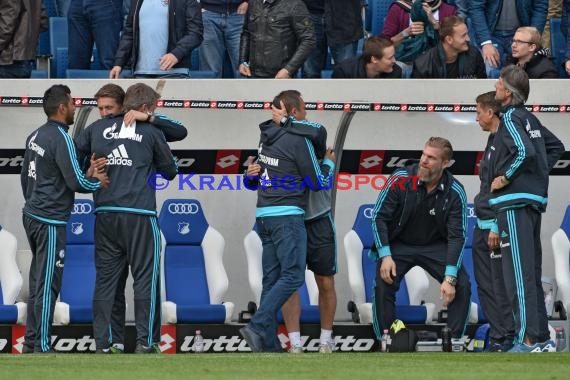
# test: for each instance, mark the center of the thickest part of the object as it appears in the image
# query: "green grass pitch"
(349, 366)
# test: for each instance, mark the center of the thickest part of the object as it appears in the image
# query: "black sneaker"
(141, 349)
(102, 351)
(27, 349)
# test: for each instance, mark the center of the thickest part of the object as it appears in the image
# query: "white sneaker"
(296, 350)
(327, 348)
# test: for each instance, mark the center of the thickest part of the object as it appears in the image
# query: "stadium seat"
(10, 281)
(561, 253)
(378, 12)
(75, 304)
(39, 74)
(476, 313)
(202, 74)
(410, 306)
(194, 277)
(308, 293)
(58, 40)
(557, 45)
(86, 74)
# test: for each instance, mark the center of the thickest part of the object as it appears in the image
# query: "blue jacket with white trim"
(523, 151)
(394, 208)
(51, 174)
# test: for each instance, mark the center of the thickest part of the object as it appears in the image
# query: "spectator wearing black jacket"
(277, 38)
(454, 57)
(158, 38)
(378, 60)
(527, 52)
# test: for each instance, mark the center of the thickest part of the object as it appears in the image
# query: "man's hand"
(283, 74)
(278, 113)
(491, 55)
(388, 270)
(493, 241)
(96, 165)
(447, 293)
(168, 61)
(330, 154)
(242, 8)
(252, 169)
(244, 70)
(133, 115)
(567, 66)
(499, 182)
(417, 27)
(115, 72)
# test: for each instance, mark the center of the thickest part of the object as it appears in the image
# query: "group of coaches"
(126, 227)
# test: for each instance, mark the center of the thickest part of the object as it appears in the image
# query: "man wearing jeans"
(223, 23)
(286, 169)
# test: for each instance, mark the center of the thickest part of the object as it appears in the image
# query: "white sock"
(295, 338)
(326, 336)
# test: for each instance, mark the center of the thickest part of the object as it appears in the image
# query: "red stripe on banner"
(227, 162)
(477, 160)
(371, 162)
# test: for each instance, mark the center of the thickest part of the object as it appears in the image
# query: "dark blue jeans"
(316, 62)
(18, 69)
(284, 258)
(94, 21)
(502, 40)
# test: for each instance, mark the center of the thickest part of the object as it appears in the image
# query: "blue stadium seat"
(410, 307)
(326, 74)
(86, 74)
(75, 303)
(202, 74)
(476, 314)
(308, 293)
(39, 74)
(10, 281)
(558, 46)
(58, 40)
(194, 275)
(378, 12)
(561, 252)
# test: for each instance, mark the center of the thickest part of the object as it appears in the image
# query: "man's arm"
(173, 130)
(518, 143)
(383, 212)
(479, 21)
(456, 229)
(163, 159)
(24, 173)
(539, 13)
(194, 31)
(8, 21)
(305, 33)
(318, 172)
(554, 147)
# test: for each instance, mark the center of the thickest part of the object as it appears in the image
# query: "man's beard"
(427, 175)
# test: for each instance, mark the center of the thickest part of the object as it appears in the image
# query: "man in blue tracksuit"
(420, 218)
(287, 168)
(487, 259)
(523, 153)
(50, 177)
(126, 227)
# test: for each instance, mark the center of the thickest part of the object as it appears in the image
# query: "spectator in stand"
(453, 58)
(413, 27)
(529, 54)
(94, 21)
(158, 39)
(566, 32)
(20, 25)
(223, 23)
(378, 60)
(495, 23)
(343, 27)
(276, 40)
(554, 11)
(317, 60)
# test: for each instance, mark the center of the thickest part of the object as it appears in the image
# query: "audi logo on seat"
(183, 208)
(81, 208)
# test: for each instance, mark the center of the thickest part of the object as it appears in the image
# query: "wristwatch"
(150, 114)
(405, 33)
(451, 280)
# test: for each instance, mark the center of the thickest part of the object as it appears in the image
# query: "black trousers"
(432, 259)
(47, 243)
(488, 268)
(519, 233)
(127, 239)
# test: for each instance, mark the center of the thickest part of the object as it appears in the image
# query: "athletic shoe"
(117, 349)
(140, 349)
(496, 347)
(102, 351)
(549, 346)
(327, 348)
(27, 350)
(296, 350)
(522, 347)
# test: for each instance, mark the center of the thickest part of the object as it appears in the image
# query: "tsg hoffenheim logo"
(184, 228)
(77, 228)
